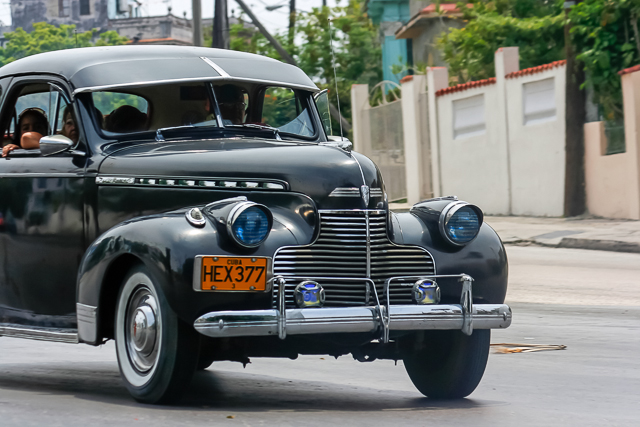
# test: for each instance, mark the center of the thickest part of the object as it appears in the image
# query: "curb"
(588, 244)
(600, 245)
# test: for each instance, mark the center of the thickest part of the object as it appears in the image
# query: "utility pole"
(324, 3)
(220, 29)
(292, 22)
(575, 116)
(288, 58)
(196, 11)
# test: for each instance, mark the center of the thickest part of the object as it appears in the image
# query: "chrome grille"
(341, 252)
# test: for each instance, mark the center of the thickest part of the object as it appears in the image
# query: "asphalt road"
(586, 300)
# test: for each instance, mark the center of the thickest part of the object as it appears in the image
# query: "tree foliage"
(534, 26)
(358, 55)
(605, 33)
(46, 37)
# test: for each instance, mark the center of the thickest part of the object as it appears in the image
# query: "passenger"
(126, 119)
(32, 126)
(69, 128)
(231, 101)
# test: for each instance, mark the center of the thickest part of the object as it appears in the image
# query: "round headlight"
(249, 224)
(460, 223)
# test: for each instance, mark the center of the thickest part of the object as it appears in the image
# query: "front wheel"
(156, 351)
(450, 364)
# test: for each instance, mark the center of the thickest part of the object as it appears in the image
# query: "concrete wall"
(536, 147)
(613, 181)
(470, 165)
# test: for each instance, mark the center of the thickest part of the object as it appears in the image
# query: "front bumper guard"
(381, 318)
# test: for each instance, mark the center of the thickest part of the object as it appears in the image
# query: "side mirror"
(339, 142)
(54, 144)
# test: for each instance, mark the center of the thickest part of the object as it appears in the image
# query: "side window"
(121, 112)
(35, 110)
(284, 110)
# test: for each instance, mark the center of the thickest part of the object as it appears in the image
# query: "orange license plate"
(222, 273)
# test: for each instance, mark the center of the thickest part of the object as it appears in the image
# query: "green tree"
(605, 33)
(46, 37)
(535, 26)
(358, 54)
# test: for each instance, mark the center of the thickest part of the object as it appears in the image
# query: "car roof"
(96, 68)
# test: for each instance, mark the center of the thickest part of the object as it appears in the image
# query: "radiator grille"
(341, 252)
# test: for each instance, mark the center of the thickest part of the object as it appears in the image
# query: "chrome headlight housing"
(249, 224)
(460, 223)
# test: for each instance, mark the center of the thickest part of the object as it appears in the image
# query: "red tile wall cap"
(406, 79)
(534, 70)
(444, 8)
(629, 70)
(465, 86)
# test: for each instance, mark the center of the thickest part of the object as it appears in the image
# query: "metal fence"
(387, 145)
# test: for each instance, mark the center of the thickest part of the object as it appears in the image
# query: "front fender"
(166, 244)
(484, 258)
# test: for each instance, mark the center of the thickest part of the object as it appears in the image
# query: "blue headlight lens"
(463, 225)
(251, 226)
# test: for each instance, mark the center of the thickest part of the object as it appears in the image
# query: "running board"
(39, 333)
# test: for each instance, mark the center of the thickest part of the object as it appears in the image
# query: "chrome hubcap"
(143, 329)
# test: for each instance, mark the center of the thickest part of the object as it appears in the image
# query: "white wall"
(537, 145)
(471, 165)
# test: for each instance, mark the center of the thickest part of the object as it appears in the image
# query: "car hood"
(308, 168)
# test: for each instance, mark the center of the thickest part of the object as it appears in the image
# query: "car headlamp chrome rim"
(460, 223)
(249, 224)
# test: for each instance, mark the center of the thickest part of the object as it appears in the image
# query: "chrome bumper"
(220, 324)
(381, 318)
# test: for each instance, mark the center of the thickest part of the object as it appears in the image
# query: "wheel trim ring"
(142, 344)
(133, 377)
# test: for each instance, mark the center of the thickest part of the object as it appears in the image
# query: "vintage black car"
(202, 212)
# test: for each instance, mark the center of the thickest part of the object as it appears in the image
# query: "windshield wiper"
(160, 137)
(276, 131)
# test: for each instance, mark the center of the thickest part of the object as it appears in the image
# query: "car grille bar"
(352, 244)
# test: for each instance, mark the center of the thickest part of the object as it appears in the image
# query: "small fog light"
(309, 294)
(425, 292)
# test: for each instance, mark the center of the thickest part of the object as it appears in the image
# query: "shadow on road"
(211, 390)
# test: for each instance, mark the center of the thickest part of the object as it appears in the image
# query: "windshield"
(272, 110)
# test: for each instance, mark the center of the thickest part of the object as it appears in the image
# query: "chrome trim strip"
(364, 181)
(357, 211)
(354, 192)
(115, 180)
(215, 66)
(39, 333)
(86, 313)
(192, 79)
(219, 324)
(259, 184)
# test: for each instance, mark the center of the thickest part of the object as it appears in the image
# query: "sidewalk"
(576, 232)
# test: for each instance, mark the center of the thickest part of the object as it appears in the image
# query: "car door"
(41, 205)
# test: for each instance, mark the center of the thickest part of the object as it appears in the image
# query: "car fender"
(167, 244)
(484, 258)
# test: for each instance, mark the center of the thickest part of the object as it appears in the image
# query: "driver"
(231, 102)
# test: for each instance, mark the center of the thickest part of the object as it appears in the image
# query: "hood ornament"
(364, 193)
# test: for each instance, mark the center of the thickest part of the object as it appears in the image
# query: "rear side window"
(121, 112)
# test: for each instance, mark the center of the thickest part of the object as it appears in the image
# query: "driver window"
(39, 110)
(284, 110)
